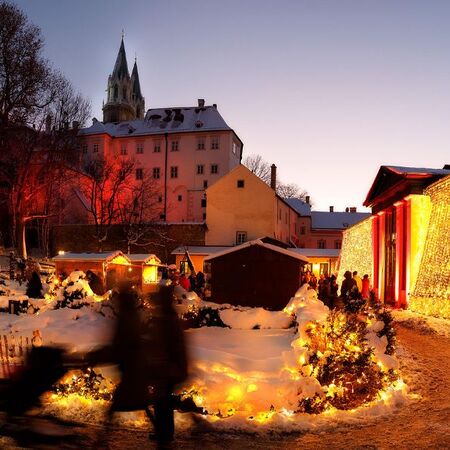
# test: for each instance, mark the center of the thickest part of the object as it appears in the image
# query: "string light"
(431, 295)
(356, 253)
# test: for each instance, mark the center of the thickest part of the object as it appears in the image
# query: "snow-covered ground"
(427, 324)
(248, 376)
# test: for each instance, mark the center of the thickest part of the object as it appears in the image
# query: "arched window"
(116, 91)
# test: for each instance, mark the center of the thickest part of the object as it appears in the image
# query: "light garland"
(356, 253)
(431, 295)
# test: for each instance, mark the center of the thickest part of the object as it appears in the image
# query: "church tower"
(124, 97)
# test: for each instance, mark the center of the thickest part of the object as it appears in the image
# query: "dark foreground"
(421, 424)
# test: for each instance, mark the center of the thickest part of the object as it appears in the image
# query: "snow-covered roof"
(163, 120)
(335, 220)
(302, 208)
(417, 170)
(275, 248)
(317, 252)
(142, 257)
(103, 256)
(199, 250)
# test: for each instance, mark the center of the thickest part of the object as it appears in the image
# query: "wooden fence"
(13, 349)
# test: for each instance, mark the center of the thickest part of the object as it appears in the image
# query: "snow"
(250, 376)
(424, 323)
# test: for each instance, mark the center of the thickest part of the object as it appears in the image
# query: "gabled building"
(404, 246)
(182, 149)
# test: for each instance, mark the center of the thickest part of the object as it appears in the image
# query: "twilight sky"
(327, 90)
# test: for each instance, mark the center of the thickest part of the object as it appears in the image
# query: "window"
(203, 203)
(123, 150)
(201, 144)
(174, 146)
(214, 169)
(95, 149)
(241, 237)
(337, 244)
(323, 269)
(240, 183)
(140, 149)
(321, 243)
(205, 184)
(156, 173)
(200, 169)
(157, 147)
(235, 148)
(174, 172)
(159, 199)
(139, 174)
(84, 149)
(215, 142)
(303, 229)
(162, 216)
(180, 198)
(204, 216)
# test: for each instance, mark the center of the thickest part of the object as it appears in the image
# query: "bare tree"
(258, 166)
(291, 190)
(139, 209)
(105, 186)
(37, 105)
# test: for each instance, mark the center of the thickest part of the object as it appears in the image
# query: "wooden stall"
(255, 274)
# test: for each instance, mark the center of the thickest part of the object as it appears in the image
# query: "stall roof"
(335, 220)
(275, 248)
(317, 252)
(142, 257)
(103, 256)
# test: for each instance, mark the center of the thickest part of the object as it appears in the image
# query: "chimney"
(331, 208)
(347, 209)
(201, 102)
(273, 177)
(215, 105)
(307, 198)
(75, 124)
(94, 120)
(353, 209)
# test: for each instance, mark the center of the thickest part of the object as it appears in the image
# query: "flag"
(189, 261)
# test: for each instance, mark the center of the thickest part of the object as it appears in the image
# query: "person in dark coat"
(150, 351)
(348, 284)
(34, 287)
(95, 283)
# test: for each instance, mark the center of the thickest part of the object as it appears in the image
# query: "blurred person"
(184, 282)
(95, 283)
(148, 347)
(192, 281)
(365, 287)
(358, 280)
(348, 285)
(200, 283)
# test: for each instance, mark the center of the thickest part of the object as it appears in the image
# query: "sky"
(326, 90)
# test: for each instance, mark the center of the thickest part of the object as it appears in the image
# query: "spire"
(121, 67)
(135, 80)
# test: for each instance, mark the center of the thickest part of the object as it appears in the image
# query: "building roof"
(163, 120)
(199, 250)
(258, 242)
(301, 207)
(395, 182)
(317, 252)
(335, 220)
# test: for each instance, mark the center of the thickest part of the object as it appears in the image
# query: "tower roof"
(136, 84)
(121, 67)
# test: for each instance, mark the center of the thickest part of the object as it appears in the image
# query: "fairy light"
(356, 252)
(431, 295)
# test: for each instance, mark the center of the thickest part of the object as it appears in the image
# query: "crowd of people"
(328, 289)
